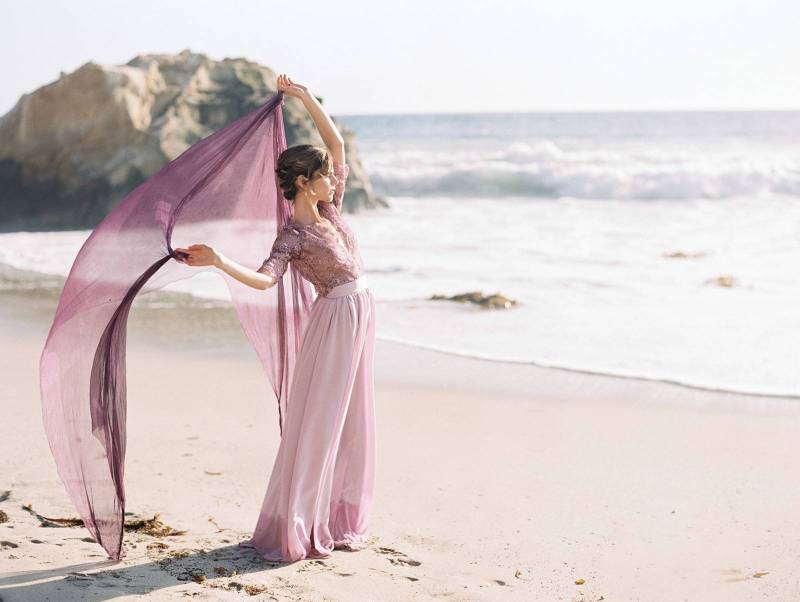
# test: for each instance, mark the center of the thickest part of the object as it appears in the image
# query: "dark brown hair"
(302, 159)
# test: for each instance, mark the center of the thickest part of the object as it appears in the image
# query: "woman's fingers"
(286, 85)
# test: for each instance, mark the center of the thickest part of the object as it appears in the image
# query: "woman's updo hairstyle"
(301, 160)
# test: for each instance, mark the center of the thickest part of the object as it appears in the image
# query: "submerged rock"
(70, 150)
(496, 301)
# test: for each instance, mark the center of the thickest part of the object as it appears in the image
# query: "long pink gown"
(321, 489)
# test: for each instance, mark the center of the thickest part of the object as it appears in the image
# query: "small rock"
(495, 301)
(726, 281)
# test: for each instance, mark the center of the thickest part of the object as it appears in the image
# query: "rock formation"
(70, 150)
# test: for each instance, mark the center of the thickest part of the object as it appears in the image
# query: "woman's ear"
(301, 182)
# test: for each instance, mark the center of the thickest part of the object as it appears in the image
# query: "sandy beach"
(495, 481)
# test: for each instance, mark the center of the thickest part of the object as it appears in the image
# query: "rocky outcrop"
(72, 149)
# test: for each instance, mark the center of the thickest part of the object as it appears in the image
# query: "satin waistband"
(341, 290)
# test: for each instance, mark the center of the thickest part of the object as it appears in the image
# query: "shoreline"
(150, 312)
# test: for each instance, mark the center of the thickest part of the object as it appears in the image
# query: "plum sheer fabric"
(222, 191)
(325, 253)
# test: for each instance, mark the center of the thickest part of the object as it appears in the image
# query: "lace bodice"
(325, 253)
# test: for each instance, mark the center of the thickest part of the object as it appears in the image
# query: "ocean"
(662, 246)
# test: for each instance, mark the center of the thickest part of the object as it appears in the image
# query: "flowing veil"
(222, 191)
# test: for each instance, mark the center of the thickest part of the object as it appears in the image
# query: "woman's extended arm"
(200, 255)
(327, 130)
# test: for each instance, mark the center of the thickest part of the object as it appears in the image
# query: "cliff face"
(72, 149)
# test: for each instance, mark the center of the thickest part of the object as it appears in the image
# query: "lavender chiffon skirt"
(320, 492)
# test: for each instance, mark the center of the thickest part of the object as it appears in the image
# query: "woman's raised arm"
(327, 130)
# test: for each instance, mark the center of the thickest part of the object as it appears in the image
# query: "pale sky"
(441, 56)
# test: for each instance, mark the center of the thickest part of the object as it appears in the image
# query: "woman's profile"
(321, 488)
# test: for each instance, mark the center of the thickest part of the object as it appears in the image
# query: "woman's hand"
(290, 88)
(200, 255)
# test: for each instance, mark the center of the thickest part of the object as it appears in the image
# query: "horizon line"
(567, 111)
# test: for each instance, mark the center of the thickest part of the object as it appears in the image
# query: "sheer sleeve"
(285, 248)
(341, 171)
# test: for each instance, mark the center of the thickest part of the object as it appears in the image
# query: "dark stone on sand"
(495, 301)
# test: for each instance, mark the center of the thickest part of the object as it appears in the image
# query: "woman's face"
(323, 186)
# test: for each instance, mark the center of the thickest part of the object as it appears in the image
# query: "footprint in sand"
(396, 557)
(311, 565)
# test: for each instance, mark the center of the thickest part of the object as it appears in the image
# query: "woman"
(320, 492)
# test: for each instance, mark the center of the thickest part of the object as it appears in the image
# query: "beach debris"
(255, 589)
(5, 495)
(153, 527)
(45, 521)
(736, 575)
(195, 575)
(524, 576)
(7, 544)
(249, 588)
(156, 551)
(726, 280)
(495, 301)
(683, 255)
(79, 576)
(214, 522)
(214, 474)
(579, 581)
(500, 582)
(3, 517)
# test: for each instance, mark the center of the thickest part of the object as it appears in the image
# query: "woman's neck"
(306, 213)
